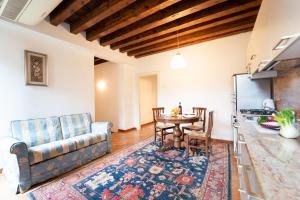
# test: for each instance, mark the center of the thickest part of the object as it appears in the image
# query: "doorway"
(147, 97)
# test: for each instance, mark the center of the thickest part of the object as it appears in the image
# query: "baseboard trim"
(126, 130)
(147, 124)
(222, 141)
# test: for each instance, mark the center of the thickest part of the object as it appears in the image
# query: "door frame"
(140, 75)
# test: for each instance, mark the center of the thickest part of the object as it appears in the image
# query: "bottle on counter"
(180, 109)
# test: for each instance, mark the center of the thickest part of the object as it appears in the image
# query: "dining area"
(178, 130)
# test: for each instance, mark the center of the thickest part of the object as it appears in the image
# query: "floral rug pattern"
(142, 172)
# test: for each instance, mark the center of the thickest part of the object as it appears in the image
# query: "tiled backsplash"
(287, 89)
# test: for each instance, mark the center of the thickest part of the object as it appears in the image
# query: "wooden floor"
(122, 140)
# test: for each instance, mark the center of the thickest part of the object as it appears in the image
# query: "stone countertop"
(276, 161)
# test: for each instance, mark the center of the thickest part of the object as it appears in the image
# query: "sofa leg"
(22, 188)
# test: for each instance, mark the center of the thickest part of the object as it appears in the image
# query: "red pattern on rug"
(214, 186)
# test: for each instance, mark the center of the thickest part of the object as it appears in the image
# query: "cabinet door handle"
(238, 158)
(236, 126)
(241, 139)
(256, 195)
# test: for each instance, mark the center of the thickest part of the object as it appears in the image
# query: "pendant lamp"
(178, 61)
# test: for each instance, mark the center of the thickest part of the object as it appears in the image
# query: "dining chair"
(160, 129)
(198, 139)
(200, 112)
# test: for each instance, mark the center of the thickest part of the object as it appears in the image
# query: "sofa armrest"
(103, 127)
(14, 159)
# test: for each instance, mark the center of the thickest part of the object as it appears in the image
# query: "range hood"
(289, 57)
(290, 63)
(264, 74)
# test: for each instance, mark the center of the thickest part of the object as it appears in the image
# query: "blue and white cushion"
(88, 139)
(74, 125)
(37, 131)
(44, 152)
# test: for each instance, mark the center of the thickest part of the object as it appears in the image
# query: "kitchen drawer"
(249, 186)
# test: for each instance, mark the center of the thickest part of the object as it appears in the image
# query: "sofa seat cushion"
(88, 139)
(50, 150)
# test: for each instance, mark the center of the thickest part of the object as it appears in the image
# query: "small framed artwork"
(36, 72)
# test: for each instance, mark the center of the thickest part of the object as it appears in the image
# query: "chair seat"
(50, 150)
(197, 134)
(162, 126)
(193, 127)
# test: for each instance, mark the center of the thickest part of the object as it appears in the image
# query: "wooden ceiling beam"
(222, 29)
(218, 11)
(99, 61)
(181, 9)
(104, 10)
(131, 14)
(65, 10)
(188, 30)
(195, 42)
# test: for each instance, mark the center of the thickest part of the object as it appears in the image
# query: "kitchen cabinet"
(276, 27)
(249, 187)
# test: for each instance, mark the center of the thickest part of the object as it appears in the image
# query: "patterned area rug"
(142, 172)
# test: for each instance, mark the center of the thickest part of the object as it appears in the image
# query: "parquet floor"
(122, 140)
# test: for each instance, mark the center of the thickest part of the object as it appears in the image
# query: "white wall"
(147, 97)
(107, 101)
(62, 32)
(70, 90)
(116, 102)
(206, 81)
(127, 93)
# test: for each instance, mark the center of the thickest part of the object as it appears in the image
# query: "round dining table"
(177, 120)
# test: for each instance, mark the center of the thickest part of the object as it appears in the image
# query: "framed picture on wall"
(36, 72)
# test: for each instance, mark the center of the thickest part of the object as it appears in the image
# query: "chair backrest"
(201, 113)
(157, 112)
(210, 123)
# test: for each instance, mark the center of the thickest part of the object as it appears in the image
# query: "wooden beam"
(99, 61)
(218, 11)
(129, 15)
(225, 28)
(65, 10)
(104, 10)
(188, 30)
(172, 13)
(156, 48)
(195, 42)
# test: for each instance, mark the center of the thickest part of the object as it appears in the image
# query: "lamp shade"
(178, 61)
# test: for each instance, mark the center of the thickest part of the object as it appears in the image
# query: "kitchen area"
(266, 106)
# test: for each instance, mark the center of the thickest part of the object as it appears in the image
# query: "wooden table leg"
(177, 136)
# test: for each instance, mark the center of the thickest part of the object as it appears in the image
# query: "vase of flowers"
(286, 120)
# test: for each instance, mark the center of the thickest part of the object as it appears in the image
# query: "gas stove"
(257, 112)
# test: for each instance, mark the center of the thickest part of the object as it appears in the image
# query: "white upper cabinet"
(276, 27)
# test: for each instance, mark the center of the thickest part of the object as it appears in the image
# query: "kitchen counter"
(276, 161)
